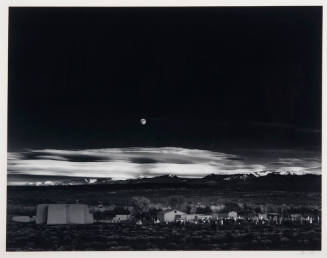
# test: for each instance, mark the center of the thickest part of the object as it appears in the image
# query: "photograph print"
(164, 128)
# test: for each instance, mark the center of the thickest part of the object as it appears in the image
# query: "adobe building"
(54, 214)
(171, 216)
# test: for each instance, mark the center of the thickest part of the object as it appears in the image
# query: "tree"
(177, 202)
(205, 210)
(188, 209)
(140, 204)
(231, 206)
(121, 210)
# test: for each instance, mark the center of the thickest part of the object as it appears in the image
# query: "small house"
(25, 219)
(121, 218)
(171, 215)
(189, 217)
(232, 215)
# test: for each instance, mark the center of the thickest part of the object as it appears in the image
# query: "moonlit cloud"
(52, 157)
(125, 163)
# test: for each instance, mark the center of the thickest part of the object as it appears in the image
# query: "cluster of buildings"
(53, 214)
(234, 217)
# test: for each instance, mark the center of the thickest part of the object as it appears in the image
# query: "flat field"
(99, 237)
(32, 237)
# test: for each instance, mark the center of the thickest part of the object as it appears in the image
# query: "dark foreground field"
(100, 237)
(32, 237)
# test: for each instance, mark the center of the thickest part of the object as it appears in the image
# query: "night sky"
(207, 78)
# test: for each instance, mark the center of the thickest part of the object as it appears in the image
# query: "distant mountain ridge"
(264, 180)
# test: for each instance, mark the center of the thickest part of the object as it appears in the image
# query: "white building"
(190, 217)
(232, 215)
(23, 218)
(171, 216)
(121, 218)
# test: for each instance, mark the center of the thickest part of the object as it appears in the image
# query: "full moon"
(143, 121)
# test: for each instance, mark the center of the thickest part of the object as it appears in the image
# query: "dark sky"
(203, 77)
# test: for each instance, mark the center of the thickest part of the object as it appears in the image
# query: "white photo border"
(4, 11)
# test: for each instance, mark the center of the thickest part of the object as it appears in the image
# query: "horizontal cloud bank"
(126, 163)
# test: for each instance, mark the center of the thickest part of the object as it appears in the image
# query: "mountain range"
(264, 180)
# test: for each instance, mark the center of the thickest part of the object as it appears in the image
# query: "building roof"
(176, 211)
